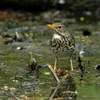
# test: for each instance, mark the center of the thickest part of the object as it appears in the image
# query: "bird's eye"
(59, 27)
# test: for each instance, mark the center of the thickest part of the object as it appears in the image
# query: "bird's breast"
(61, 46)
(56, 36)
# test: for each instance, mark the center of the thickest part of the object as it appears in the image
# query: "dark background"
(43, 5)
(77, 8)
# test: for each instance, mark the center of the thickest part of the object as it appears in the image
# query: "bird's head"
(58, 27)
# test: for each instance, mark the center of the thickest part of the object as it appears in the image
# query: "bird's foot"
(55, 68)
(72, 69)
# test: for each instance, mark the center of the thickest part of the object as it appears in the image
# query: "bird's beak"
(51, 26)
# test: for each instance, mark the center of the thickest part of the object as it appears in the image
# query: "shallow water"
(17, 84)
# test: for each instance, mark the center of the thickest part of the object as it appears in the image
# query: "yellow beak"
(51, 26)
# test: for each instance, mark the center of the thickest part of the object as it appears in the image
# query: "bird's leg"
(71, 62)
(55, 68)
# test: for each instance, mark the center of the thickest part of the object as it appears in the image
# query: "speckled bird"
(62, 42)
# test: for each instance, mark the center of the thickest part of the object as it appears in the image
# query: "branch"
(53, 72)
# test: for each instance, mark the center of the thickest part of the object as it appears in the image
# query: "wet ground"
(18, 84)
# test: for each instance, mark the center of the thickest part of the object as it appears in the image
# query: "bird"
(62, 42)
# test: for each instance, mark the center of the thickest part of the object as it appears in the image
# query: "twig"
(80, 65)
(17, 35)
(33, 63)
(14, 95)
(2, 27)
(52, 95)
(53, 72)
(64, 77)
